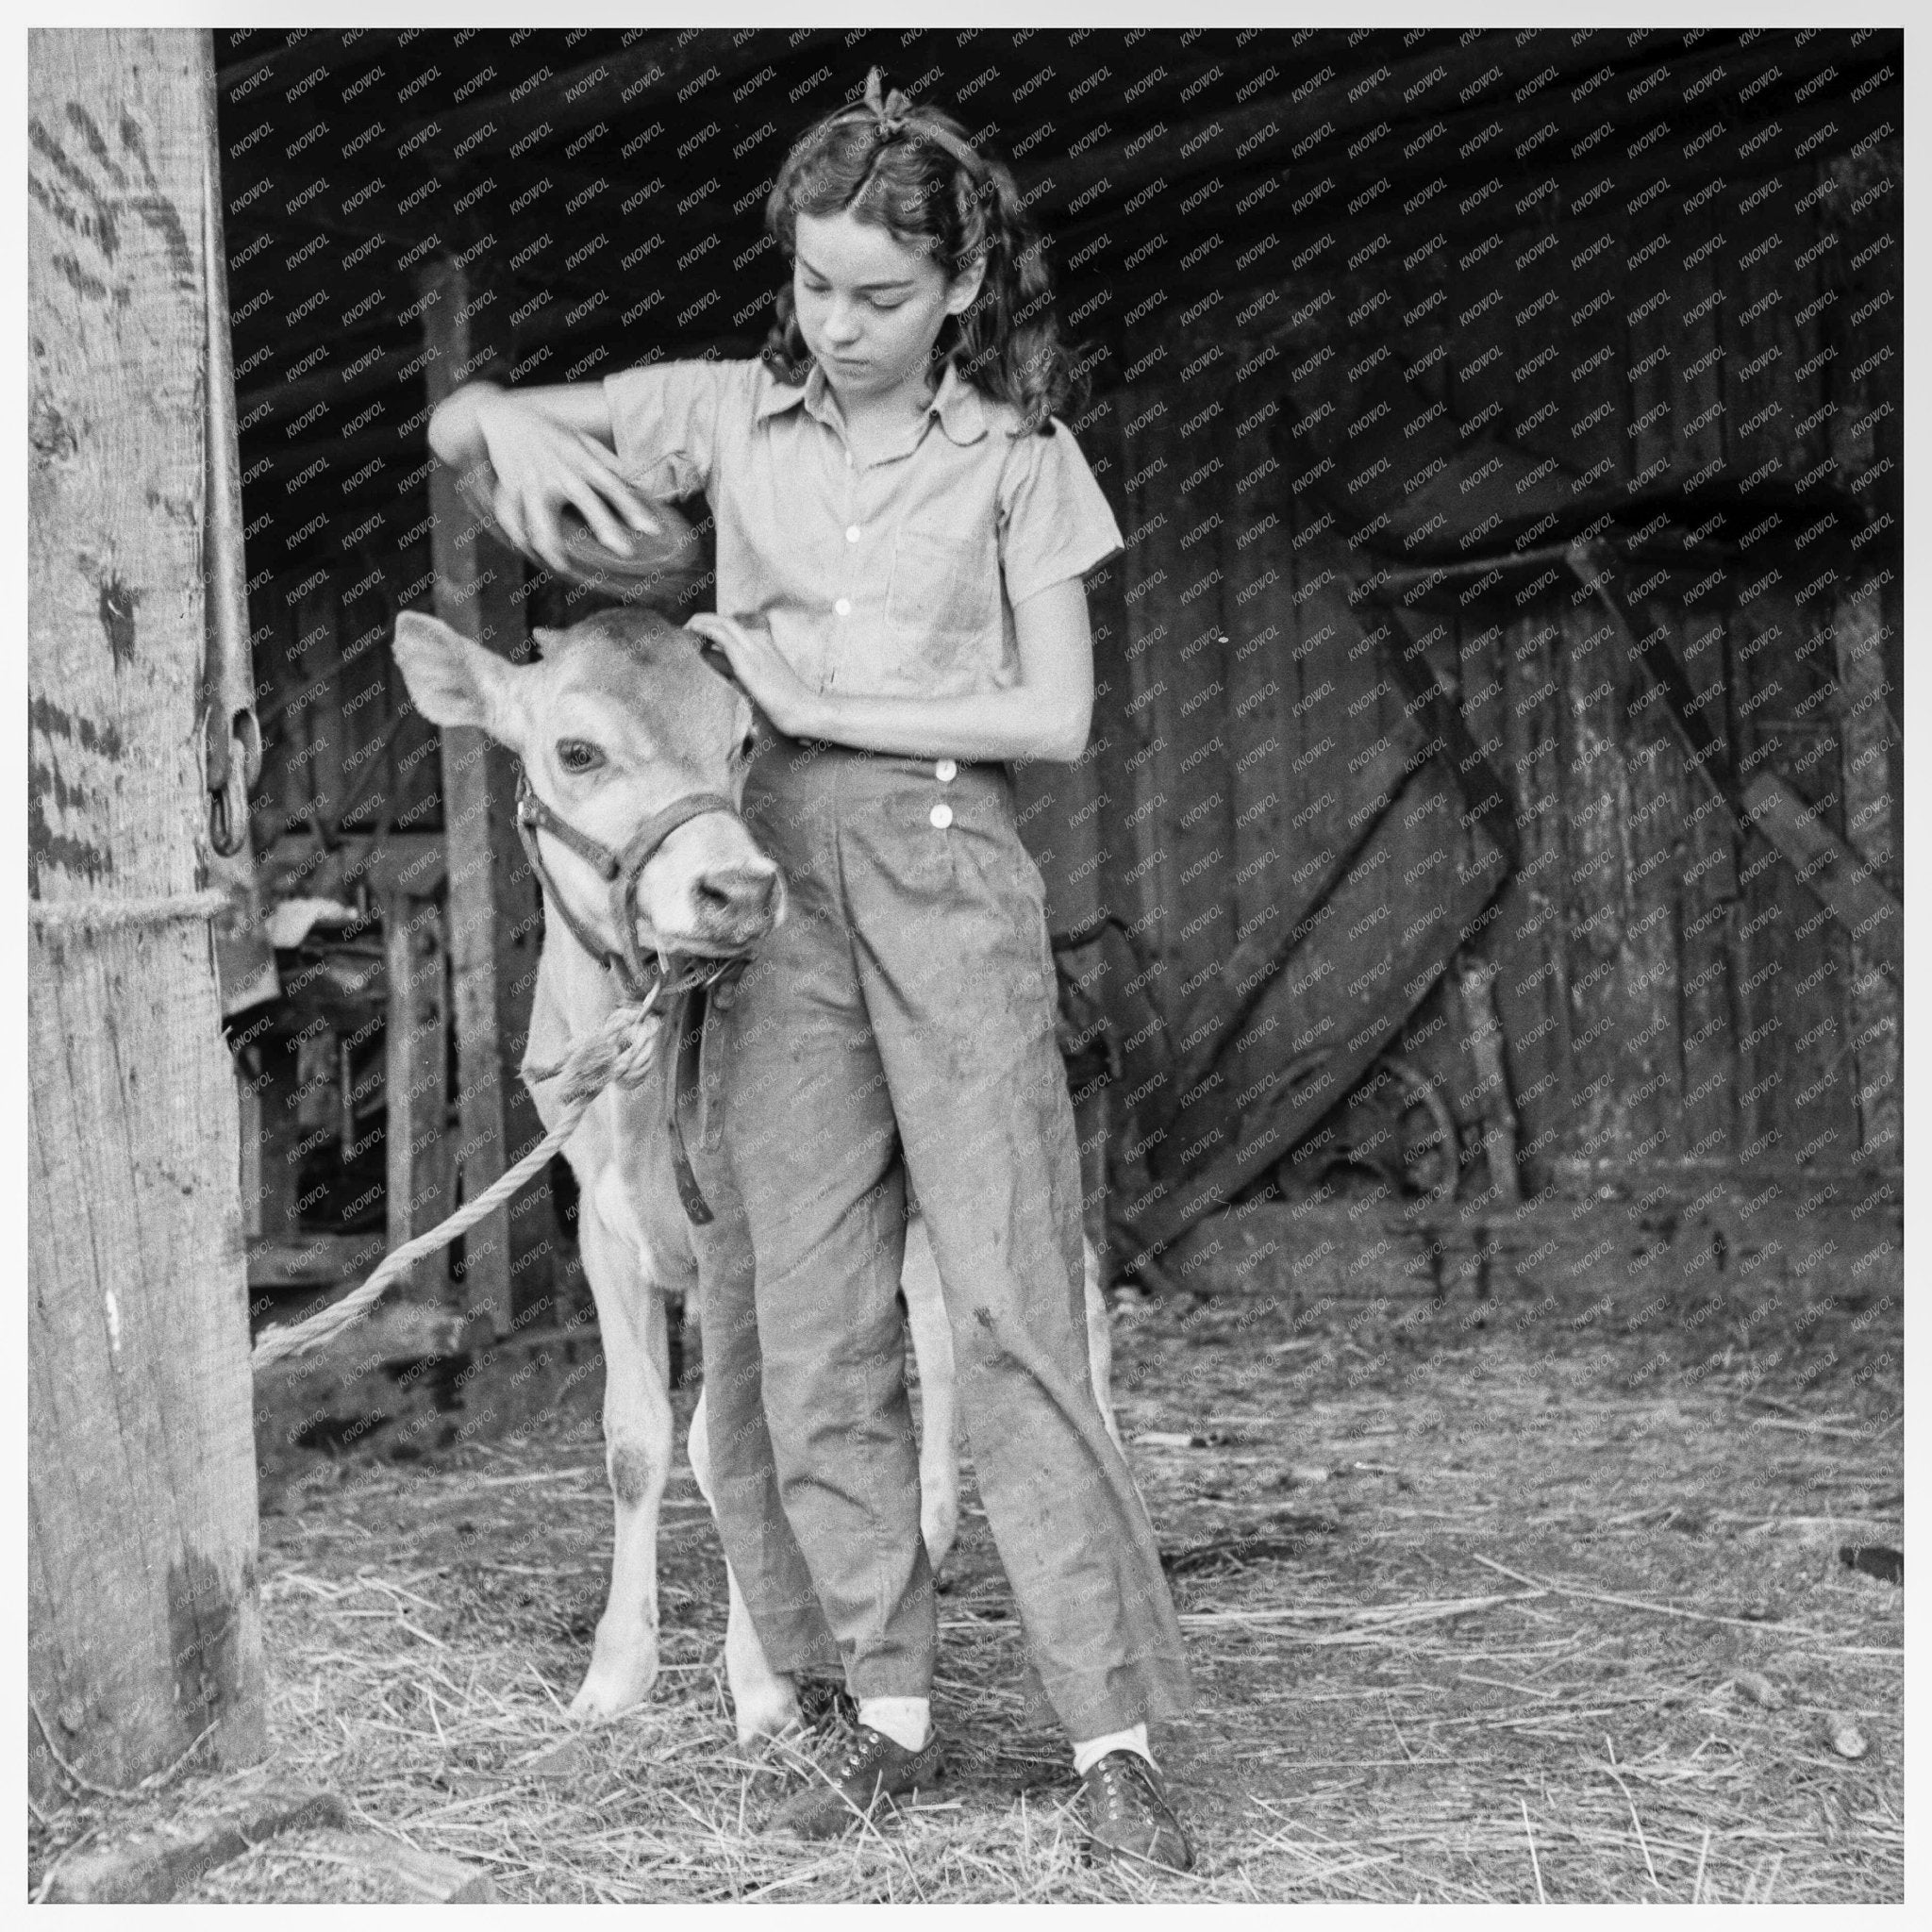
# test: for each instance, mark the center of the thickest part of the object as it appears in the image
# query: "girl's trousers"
(898, 1025)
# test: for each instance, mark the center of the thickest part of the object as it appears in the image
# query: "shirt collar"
(960, 407)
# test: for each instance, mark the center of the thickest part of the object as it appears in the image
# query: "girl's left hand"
(775, 687)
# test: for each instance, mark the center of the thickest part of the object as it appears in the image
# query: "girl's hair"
(910, 170)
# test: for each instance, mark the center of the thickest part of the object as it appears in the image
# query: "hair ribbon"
(890, 112)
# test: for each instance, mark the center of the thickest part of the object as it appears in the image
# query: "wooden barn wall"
(336, 729)
(1669, 991)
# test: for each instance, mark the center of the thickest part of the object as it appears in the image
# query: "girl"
(903, 524)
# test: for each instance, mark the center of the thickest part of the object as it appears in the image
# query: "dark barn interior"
(1499, 699)
(1477, 919)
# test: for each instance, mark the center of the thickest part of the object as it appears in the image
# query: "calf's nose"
(737, 900)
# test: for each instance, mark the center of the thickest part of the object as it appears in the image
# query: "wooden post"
(493, 898)
(143, 1627)
(415, 1073)
(1869, 746)
(1483, 1035)
(319, 679)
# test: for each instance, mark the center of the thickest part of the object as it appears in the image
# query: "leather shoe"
(871, 1772)
(1124, 1811)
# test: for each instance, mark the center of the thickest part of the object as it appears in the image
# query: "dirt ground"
(1510, 1568)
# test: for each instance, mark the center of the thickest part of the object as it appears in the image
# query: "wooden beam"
(1836, 877)
(416, 1080)
(1483, 1034)
(152, 1866)
(434, 1877)
(293, 1260)
(492, 897)
(143, 1621)
(406, 862)
(266, 1071)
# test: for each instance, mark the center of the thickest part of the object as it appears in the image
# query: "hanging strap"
(690, 1014)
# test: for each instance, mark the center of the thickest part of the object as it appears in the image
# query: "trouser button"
(945, 770)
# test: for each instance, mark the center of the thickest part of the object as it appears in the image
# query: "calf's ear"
(451, 680)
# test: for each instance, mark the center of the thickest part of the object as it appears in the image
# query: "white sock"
(908, 1721)
(1089, 1754)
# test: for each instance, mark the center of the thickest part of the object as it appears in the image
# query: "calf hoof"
(768, 1712)
(613, 1687)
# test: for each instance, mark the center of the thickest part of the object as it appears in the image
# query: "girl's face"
(869, 308)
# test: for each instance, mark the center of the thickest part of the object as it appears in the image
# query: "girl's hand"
(774, 687)
(542, 464)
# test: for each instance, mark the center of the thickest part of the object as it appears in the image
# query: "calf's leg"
(939, 1399)
(763, 1701)
(932, 1348)
(637, 1449)
(1100, 1344)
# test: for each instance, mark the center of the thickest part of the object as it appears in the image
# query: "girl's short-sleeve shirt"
(892, 575)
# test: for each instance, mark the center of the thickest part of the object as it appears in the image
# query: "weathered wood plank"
(281, 800)
(1707, 898)
(433, 1876)
(1833, 871)
(1863, 608)
(267, 1073)
(493, 898)
(319, 654)
(1257, 653)
(1129, 838)
(1533, 993)
(412, 863)
(416, 1079)
(312, 1260)
(1063, 811)
(1153, 559)
(150, 1867)
(369, 685)
(1190, 661)
(1383, 968)
(143, 1621)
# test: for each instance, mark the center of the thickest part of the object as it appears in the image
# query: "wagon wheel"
(1429, 1147)
(1286, 1174)
(1426, 1157)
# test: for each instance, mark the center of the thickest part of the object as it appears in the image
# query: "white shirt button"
(852, 535)
(941, 815)
(848, 459)
(945, 770)
(843, 606)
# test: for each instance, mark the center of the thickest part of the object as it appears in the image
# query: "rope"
(621, 1050)
(116, 915)
(151, 1782)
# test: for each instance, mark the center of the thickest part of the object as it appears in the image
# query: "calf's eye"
(576, 754)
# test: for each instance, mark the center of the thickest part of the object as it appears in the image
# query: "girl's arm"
(548, 446)
(1046, 715)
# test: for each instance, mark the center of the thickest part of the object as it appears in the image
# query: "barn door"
(143, 1627)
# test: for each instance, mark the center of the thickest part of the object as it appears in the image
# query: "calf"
(622, 727)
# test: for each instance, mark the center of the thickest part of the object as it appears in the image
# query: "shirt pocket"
(940, 594)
